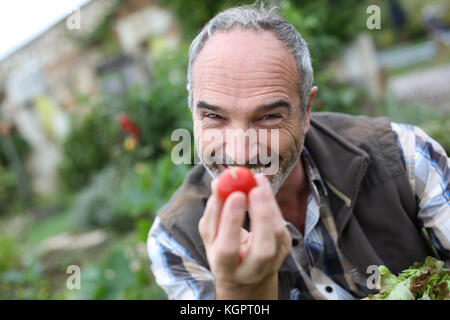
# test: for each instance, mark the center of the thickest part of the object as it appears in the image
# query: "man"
(350, 192)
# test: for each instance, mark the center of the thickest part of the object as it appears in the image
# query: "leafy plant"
(160, 108)
(9, 252)
(123, 273)
(94, 205)
(199, 12)
(97, 139)
(116, 199)
(20, 278)
(149, 187)
(14, 187)
(8, 188)
(89, 147)
(429, 280)
(324, 31)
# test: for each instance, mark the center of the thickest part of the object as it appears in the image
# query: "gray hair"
(257, 18)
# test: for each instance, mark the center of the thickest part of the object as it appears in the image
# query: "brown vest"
(372, 202)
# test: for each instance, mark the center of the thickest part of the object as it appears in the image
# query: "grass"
(50, 226)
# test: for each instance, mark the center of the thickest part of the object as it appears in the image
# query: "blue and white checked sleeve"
(175, 270)
(429, 175)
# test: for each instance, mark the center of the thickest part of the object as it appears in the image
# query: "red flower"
(128, 126)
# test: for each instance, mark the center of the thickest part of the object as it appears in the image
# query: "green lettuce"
(429, 280)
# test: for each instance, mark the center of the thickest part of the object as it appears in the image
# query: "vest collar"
(341, 165)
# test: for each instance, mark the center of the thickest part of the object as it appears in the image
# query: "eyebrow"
(274, 105)
(202, 105)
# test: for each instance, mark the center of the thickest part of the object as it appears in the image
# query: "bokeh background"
(86, 116)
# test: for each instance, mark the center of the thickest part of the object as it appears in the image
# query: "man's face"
(244, 80)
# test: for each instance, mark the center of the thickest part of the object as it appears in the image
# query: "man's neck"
(293, 194)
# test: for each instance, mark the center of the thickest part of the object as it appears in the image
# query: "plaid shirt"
(321, 270)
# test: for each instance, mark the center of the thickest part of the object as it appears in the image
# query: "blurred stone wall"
(42, 80)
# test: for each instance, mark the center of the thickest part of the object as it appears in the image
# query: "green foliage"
(20, 278)
(157, 110)
(199, 12)
(411, 113)
(116, 200)
(9, 188)
(161, 108)
(21, 147)
(24, 282)
(333, 96)
(325, 33)
(122, 188)
(13, 192)
(58, 223)
(323, 29)
(428, 280)
(89, 147)
(94, 205)
(414, 28)
(124, 273)
(9, 255)
(150, 186)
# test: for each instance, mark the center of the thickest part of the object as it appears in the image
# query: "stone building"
(40, 83)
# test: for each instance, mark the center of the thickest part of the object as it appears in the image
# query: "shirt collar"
(318, 189)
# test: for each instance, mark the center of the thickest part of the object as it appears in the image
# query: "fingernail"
(262, 180)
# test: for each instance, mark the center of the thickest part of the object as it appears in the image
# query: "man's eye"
(213, 116)
(270, 117)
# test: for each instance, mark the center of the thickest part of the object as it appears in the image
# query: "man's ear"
(309, 107)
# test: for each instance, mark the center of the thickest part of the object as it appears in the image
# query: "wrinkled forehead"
(240, 54)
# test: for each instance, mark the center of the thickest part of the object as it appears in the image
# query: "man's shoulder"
(194, 189)
(336, 138)
(368, 134)
(351, 125)
(180, 216)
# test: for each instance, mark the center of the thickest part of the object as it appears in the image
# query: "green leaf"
(401, 291)
(387, 279)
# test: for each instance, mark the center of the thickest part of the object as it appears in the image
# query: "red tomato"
(235, 179)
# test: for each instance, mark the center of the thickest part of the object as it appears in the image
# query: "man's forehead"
(245, 48)
(245, 65)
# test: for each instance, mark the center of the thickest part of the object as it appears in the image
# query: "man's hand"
(245, 264)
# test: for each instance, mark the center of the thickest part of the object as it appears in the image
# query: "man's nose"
(241, 146)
